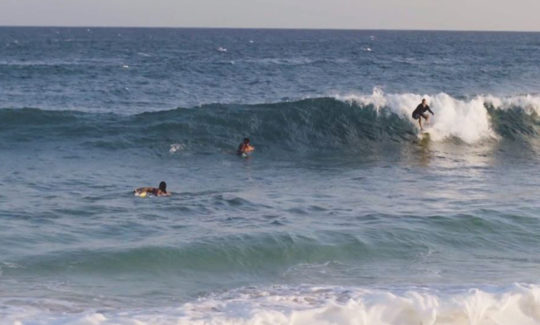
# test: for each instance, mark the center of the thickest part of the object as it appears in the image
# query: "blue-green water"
(344, 214)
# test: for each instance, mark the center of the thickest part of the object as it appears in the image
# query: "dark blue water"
(344, 214)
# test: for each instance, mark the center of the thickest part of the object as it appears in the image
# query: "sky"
(511, 15)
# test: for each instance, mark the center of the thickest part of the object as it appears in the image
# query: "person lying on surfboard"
(420, 112)
(159, 191)
(245, 147)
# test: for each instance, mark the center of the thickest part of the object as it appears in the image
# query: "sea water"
(344, 214)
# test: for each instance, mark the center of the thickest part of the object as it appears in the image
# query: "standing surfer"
(420, 112)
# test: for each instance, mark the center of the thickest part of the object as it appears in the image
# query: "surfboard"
(141, 194)
(424, 138)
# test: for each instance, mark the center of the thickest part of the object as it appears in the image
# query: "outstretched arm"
(429, 109)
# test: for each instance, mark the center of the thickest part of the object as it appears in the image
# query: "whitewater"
(344, 214)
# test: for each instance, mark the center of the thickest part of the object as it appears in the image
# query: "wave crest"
(466, 119)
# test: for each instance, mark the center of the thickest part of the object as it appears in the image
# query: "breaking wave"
(343, 121)
(518, 304)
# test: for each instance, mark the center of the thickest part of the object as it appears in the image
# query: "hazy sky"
(353, 14)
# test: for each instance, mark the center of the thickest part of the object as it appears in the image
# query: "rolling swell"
(256, 253)
(306, 125)
(239, 253)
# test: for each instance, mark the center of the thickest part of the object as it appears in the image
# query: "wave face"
(351, 122)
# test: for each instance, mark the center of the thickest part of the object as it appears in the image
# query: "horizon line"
(278, 28)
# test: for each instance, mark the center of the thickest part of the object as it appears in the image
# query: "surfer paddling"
(156, 191)
(245, 147)
(420, 112)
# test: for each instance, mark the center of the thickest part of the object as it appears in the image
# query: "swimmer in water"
(420, 112)
(159, 191)
(245, 147)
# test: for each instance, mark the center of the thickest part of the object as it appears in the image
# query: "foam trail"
(519, 304)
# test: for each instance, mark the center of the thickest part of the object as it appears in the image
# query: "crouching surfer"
(420, 112)
(245, 148)
(159, 191)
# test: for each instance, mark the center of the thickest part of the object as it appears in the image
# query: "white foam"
(465, 119)
(519, 304)
(176, 147)
(529, 103)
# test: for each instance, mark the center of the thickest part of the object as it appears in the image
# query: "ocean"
(344, 214)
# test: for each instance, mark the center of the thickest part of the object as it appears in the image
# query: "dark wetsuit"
(156, 191)
(420, 110)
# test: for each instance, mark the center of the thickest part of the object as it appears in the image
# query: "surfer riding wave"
(420, 112)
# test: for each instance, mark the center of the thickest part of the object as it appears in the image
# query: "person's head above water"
(163, 187)
(245, 147)
(424, 101)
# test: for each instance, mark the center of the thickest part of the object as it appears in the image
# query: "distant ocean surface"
(344, 214)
